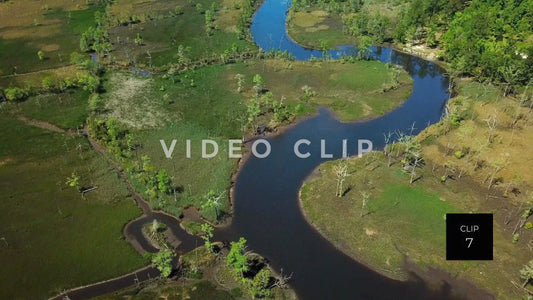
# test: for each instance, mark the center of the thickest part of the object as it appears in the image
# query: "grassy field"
(468, 167)
(408, 219)
(493, 157)
(162, 107)
(317, 24)
(52, 238)
(45, 107)
(163, 35)
(53, 27)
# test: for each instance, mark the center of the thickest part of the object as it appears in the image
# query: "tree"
(40, 54)
(90, 83)
(308, 93)
(388, 147)
(486, 40)
(415, 163)
(259, 286)
(138, 40)
(253, 109)
(431, 39)
(324, 47)
(163, 181)
(163, 261)
(258, 83)
(183, 55)
(364, 51)
(208, 18)
(240, 82)
(48, 83)
(491, 124)
(207, 236)
(96, 103)
(147, 165)
(237, 257)
(366, 196)
(15, 93)
(212, 201)
(73, 181)
(155, 226)
(199, 8)
(280, 110)
(341, 172)
(526, 273)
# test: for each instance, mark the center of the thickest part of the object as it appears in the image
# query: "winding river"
(266, 206)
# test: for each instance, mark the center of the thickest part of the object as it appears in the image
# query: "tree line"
(489, 39)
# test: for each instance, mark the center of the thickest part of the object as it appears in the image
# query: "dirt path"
(135, 277)
(42, 124)
(143, 204)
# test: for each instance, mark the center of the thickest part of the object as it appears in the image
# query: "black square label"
(469, 236)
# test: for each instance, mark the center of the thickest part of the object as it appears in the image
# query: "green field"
(317, 28)
(402, 220)
(163, 35)
(206, 79)
(56, 34)
(205, 103)
(72, 105)
(54, 239)
(323, 24)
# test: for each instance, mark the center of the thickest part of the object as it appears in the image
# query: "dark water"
(266, 208)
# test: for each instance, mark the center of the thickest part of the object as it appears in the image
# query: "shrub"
(40, 54)
(259, 285)
(529, 225)
(96, 103)
(15, 94)
(455, 119)
(516, 236)
(163, 262)
(459, 154)
(89, 82)
(48, 83)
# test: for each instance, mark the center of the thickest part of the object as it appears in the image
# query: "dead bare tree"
(417, 160)
(365, 197)
(341, 171)
(491, 124)
(388, 147)
(282, 280)
(497, 166)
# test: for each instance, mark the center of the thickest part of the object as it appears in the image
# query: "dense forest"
(489, 39)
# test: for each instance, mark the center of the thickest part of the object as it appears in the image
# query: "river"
(266, 206)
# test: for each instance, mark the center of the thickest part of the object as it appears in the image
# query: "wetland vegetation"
(89, 88)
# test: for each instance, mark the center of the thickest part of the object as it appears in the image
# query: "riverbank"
(48, 208)
(206, 275)
(382, 212)
(317, 28)
(377, 87)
